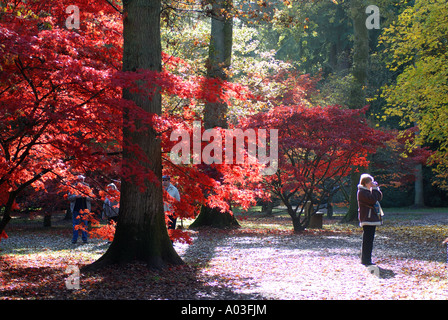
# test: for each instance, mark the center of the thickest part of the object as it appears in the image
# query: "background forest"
(277, 42)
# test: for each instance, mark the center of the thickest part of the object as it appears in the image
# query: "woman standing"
(368, 194)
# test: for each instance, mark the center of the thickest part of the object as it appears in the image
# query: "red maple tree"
(58, 111)
(317, 147)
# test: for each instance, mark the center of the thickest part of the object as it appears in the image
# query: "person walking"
(368, 195)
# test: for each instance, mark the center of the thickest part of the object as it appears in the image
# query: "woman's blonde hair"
(365, 179)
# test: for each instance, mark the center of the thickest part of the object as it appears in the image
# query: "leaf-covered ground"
(261, 260)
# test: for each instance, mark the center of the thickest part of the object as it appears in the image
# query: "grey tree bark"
(215, 113)
(357, 97)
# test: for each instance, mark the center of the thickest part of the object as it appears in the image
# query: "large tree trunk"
(215, 113)
(141, 232)
(219, 59)
(357, 97)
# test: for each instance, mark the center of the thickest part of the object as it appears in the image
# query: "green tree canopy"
(417, 44)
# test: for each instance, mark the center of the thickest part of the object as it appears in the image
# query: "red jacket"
(366, 199)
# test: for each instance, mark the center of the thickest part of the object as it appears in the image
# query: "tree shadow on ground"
(199, 254)
(193, 281)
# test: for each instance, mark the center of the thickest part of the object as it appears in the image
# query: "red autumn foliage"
(216, 184)
(62, 108)
(58, 110)
(3, 235)
(296, 88)
(62, 114)
(317, 147)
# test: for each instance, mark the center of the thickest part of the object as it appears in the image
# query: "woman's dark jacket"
(366, 200)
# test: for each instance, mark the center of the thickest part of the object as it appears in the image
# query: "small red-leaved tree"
(317, 146)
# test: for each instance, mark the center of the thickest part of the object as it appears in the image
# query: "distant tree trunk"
(419, 200)
(215, 113)
(141, 232)
(47, 220)
(357, 97)
(211, 217)
(267, 207)
(219, 59)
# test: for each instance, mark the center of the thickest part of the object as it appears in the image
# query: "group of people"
(81, 204)
(368, 196)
